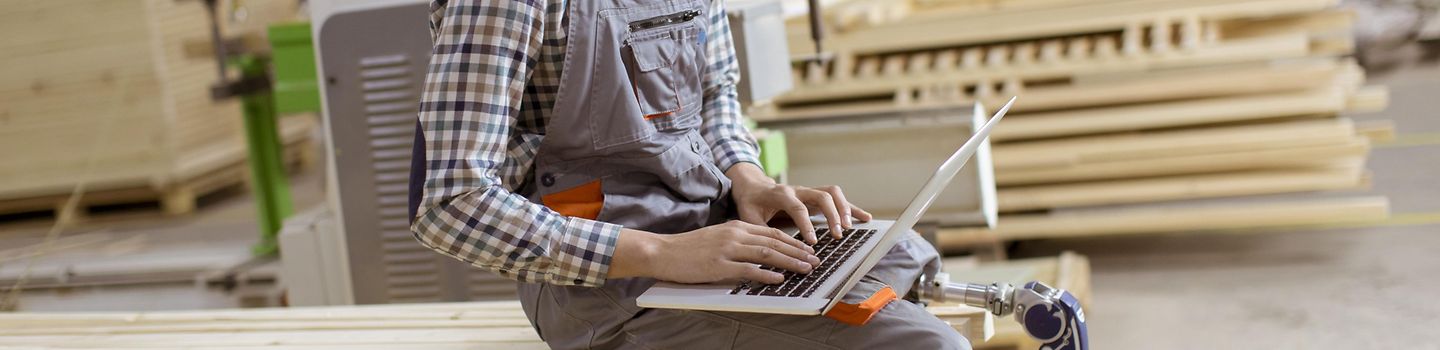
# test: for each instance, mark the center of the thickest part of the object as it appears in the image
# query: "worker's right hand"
(729, 251)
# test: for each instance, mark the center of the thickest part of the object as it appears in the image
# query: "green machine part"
(267, 168)
(772, 153)
(292, 60)
(294, 89)
(772, 149)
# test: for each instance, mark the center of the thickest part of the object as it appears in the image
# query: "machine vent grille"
(388, 83)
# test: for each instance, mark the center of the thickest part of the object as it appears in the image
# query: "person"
(590, 148)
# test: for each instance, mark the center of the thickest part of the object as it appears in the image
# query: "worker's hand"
(729, 251)
(759, 199)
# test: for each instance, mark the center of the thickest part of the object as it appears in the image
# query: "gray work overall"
(628, 118)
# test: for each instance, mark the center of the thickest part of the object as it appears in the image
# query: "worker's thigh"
(902, 324)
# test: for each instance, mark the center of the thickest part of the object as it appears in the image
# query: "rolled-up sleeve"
(724, 127)
(483, 53)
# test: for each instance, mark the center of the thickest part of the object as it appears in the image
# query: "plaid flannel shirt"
(490, 88)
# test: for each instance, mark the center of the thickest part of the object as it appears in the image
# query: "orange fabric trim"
(859, 314)
(659, 115)
(583, 201)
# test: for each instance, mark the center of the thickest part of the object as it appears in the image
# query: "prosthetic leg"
(1050, 315)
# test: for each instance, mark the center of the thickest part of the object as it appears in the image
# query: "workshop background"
(1203, 174)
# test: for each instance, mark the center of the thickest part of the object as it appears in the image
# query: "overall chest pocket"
(658, 79)
(663, 61)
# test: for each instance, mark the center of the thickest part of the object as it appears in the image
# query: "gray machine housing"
(358, 248)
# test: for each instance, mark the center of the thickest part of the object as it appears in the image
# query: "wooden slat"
(487, 325)
(1053, 154)
(1172, 114)
(1242, 215)
(1178, 188)
(478, 324)
(1278, 158)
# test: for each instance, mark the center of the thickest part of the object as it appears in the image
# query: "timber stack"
(116, 94)
(1133, 114)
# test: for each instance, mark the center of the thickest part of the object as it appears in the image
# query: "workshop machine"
(358, 249)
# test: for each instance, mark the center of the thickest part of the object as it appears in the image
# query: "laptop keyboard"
(832, 253)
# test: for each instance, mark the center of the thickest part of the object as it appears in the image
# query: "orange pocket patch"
(583, 201)
(859, 314)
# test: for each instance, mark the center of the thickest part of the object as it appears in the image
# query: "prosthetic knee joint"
(1050, 315)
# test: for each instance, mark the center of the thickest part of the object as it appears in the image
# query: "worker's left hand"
(758, 199)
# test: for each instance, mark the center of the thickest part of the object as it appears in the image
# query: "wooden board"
(1189, 113)
(1172, 188)
(1156, 145)
(1296, 143)
(1174, 218)
(439, 325)
(469, 325)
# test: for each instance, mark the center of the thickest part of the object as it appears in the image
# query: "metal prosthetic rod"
(1050, 315)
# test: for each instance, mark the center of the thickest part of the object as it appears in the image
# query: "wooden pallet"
(175, 194)
(1056, 68)
(1091, 90)
(891, 30)
(108, 85)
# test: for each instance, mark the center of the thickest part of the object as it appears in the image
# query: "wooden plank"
(1178, 188)
(1170, 114)
(1288, 157)
(1320, 22)
(476, 324)
(1052, 154)
(1377, 131)
(265, 338)
(1179, 218)
(1368, 99)
(483, 324)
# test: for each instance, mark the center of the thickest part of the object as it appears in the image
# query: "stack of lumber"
(1126, 106)
(113, 93)
(468, 325)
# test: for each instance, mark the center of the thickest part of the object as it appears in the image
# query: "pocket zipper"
(674, 18)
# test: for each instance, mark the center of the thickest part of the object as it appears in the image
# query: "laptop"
(843, 261)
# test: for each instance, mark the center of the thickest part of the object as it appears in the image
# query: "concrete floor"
(1365, 287)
